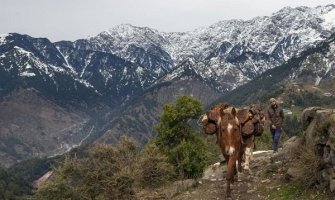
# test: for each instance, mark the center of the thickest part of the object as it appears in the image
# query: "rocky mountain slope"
(139, 117)
(31, 126)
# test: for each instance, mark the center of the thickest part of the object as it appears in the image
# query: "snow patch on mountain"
(87, 84)
(329, 19)
(66, 61)
(3, 38)
(21, 51)
(87, 62)
(27, 74)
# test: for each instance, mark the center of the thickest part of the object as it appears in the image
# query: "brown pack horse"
(249, 122)
(228, 137)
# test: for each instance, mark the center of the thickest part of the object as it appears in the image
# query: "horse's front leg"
(230, 174)
(228, 190)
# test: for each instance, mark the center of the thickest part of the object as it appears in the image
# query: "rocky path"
(269, 180)
(265, 177)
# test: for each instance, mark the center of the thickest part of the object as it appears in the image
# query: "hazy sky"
(76, 19)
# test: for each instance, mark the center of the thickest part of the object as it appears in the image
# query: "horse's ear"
(222, 111)
(233, 112)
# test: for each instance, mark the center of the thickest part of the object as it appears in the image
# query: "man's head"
(273, 101)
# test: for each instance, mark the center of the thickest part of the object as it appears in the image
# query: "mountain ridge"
(108, 75)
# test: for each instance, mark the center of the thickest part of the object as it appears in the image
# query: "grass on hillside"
(296, 191)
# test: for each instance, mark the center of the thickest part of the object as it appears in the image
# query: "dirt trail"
(268, 181)
(264, 177)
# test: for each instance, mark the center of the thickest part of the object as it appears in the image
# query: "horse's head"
(229, 131)
(211, 119)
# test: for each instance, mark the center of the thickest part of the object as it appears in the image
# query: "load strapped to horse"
(235, 130)
(252, 120)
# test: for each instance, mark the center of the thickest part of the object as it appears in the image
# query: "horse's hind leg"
(239, 160)
(248, 155)
(239, 166)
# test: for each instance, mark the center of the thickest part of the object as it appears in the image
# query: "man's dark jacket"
(276, 116)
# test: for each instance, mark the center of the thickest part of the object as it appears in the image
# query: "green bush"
(264, 142)
(177, 139)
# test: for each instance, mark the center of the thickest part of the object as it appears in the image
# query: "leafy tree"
(177, 139)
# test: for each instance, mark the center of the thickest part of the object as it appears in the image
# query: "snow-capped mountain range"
(123, 61)
(242, 49)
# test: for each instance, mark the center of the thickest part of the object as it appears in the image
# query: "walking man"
(276, 117)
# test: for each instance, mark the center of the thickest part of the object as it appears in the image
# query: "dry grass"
(307, 162)
(154, 168)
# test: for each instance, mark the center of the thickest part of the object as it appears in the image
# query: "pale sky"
(78, 19)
